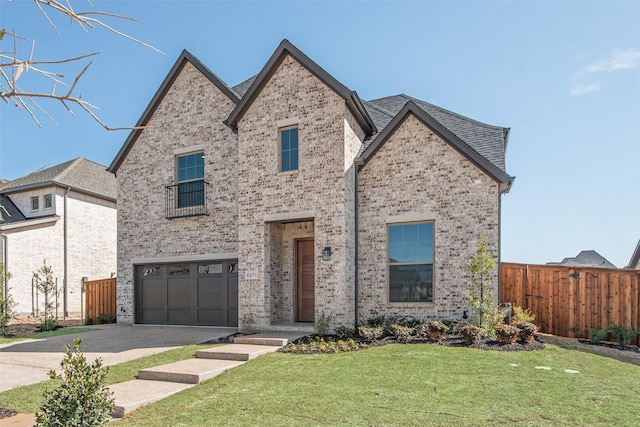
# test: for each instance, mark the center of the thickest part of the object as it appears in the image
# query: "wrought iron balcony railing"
(186, 199)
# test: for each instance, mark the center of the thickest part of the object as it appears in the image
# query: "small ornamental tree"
(7, 304)
(82, 399)
(481, 266)
(47, 286)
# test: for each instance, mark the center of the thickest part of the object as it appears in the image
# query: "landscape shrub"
(401, 332)
(105, 318)
(375, 321)
(507, 334)
(7, 304)
(434, 330)
(344, 332)
(597, 335)
(48, 324)
(526, 331)
(320, 344)
(370, 333)
(520, 315)
(622, 335)
(46, 285)
(82, 399)
(323, 323)
(471, 334)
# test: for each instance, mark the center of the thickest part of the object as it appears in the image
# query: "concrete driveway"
(27, 362)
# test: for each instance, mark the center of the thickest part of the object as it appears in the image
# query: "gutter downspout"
(4, 261)
(356, 163)
(65, 313)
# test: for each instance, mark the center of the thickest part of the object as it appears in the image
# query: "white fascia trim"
(187, 150)
(29, 223)
(414, 217)
(287, 122)
(289, 216)
(185, 258)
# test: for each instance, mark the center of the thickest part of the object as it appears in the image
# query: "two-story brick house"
(66, 215)
(288, 196)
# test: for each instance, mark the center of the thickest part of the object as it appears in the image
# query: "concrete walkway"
(27, 362)
(152, 384)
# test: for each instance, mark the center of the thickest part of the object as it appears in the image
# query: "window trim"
(280, 131)
(35, 203)
(388, 226)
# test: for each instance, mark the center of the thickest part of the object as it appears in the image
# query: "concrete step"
(241, 352)
(261, 340)
(190, 371)
(131, 395)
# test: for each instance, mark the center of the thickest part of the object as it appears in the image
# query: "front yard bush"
(370, 333)
(401, 332)
(471, 334)
(434, 330)
(507, 334)
(526, 331)
(82, 399)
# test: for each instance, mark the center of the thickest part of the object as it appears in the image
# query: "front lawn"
(414, 384)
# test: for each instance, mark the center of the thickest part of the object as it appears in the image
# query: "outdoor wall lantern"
(326, 253)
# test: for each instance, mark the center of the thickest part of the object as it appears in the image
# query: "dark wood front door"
(305, 282)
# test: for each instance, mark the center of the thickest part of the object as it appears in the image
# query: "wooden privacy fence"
(100, 297)
(568, 301)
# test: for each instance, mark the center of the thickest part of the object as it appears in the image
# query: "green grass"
(410, 385)
(27, 399)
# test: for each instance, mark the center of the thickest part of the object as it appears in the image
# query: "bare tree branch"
(13, 67)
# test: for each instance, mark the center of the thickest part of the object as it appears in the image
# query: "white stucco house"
(288, 196)
(65, 214)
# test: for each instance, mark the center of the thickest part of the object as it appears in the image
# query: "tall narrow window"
(190, 171)
(47, 201)
(35, 204)
(411, 262)
(289, 149)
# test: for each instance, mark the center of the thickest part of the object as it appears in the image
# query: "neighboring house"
(635, 258)
(585, 259)
(287, 197)
(65, 214)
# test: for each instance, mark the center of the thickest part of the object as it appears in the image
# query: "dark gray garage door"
(202, 293)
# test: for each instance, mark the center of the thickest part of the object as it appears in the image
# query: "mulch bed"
(6, 412)
(610, 345)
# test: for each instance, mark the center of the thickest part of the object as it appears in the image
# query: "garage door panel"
(179, 317)
(153, 293)
(212, 317)
(179, 293)
(153, 316)
(188, 294)
(212, 293)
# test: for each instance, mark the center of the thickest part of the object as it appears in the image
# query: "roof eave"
(410, 107)
(635, 258)
(173, 74)
(62, 185)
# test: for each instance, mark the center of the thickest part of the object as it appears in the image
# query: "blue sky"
(564, 76)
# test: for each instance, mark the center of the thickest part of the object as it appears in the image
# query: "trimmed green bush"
(82, 399)
(622, 335)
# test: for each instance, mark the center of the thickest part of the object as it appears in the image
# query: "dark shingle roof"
(586, 259)
(243, 87)
(8, 211)
(486, 140)
(80, 174)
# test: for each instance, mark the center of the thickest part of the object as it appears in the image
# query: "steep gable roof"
(487, 140)
(9, 212)
(412, 108)
(182, 60)
(635, 258)
(286, 48)
(80, 174)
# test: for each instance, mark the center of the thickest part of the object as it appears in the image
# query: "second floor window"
(190, 177)
(289, 149)
(47, 201)
(34, 204)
